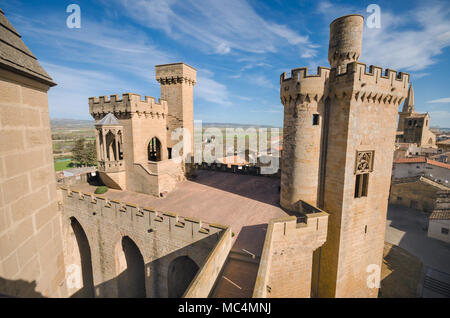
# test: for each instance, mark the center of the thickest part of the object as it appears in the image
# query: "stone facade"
(31, 249)
(135, 147)
(286, 264)
(161, 238)
(418, 192)
(413, 127)
(339, 135)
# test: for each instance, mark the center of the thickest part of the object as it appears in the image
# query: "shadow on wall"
(87, 290)
(18, 288)
(168, 276)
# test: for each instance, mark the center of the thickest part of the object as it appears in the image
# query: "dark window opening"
(361, 185)
(169, 151)
(316, 119)
(444, 230)
(154, 150)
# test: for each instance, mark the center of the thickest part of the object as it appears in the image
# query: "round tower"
(302, 97)
(345, 41)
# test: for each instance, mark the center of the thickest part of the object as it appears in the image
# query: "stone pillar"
(97, 142)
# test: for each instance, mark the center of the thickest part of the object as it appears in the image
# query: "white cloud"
(223, 48)
(210, 90)
(263, 81)
(440, 100)
(103, 59)
(217, 26)
(440, 118)
(396, 44)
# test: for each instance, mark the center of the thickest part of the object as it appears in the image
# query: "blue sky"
(239, 47)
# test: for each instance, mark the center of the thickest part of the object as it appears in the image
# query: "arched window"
(154, 150)
(182, 271)
(110, 146)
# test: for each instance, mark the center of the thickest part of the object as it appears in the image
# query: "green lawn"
(63, 165)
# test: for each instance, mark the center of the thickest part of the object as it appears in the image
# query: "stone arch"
(80, 267)
(182, 271)
(111, 146)
(130, 268)
(154, 149)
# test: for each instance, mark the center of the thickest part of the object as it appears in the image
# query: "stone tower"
(407, 110)
(339, 134)
(134, 145)
(177, 88)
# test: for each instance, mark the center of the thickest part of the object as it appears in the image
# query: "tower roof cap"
(109, 120)
(346, 16)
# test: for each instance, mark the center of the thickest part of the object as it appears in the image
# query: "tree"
(90, 152)
(78, 151)
(84, 153)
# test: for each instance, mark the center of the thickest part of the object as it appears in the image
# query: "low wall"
(286, 263)
(230, 168)
(205, 279)
(161, 238)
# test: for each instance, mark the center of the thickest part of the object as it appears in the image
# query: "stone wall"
(407, 170)
(31, 252)
(286, 264)
(161, 237)
(435, 230)
(418, 193)
(205, 279)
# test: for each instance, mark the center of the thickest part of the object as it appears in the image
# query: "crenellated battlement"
(370, 84)
(101, 206)
(175, 73)
(129, 104)
(373, 72)
(307, 86)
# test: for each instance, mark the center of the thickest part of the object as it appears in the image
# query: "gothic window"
(154, 150)
(363, 168)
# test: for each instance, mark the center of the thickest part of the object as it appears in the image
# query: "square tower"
(339, 136)
(177, 88)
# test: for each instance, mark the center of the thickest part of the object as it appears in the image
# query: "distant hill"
(57, 123)
(66, 123)
(231, 125)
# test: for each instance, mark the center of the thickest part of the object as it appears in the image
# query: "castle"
(142, 130)
(156, 234)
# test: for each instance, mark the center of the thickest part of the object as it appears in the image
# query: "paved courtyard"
(407, 228)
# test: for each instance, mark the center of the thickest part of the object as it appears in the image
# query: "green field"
(63, 164)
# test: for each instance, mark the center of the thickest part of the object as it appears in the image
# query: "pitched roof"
(442, 207)
(440, 215)
(109, 120)
(423, 160)
(15, 56)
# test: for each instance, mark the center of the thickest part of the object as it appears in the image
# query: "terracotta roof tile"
(423, 160)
